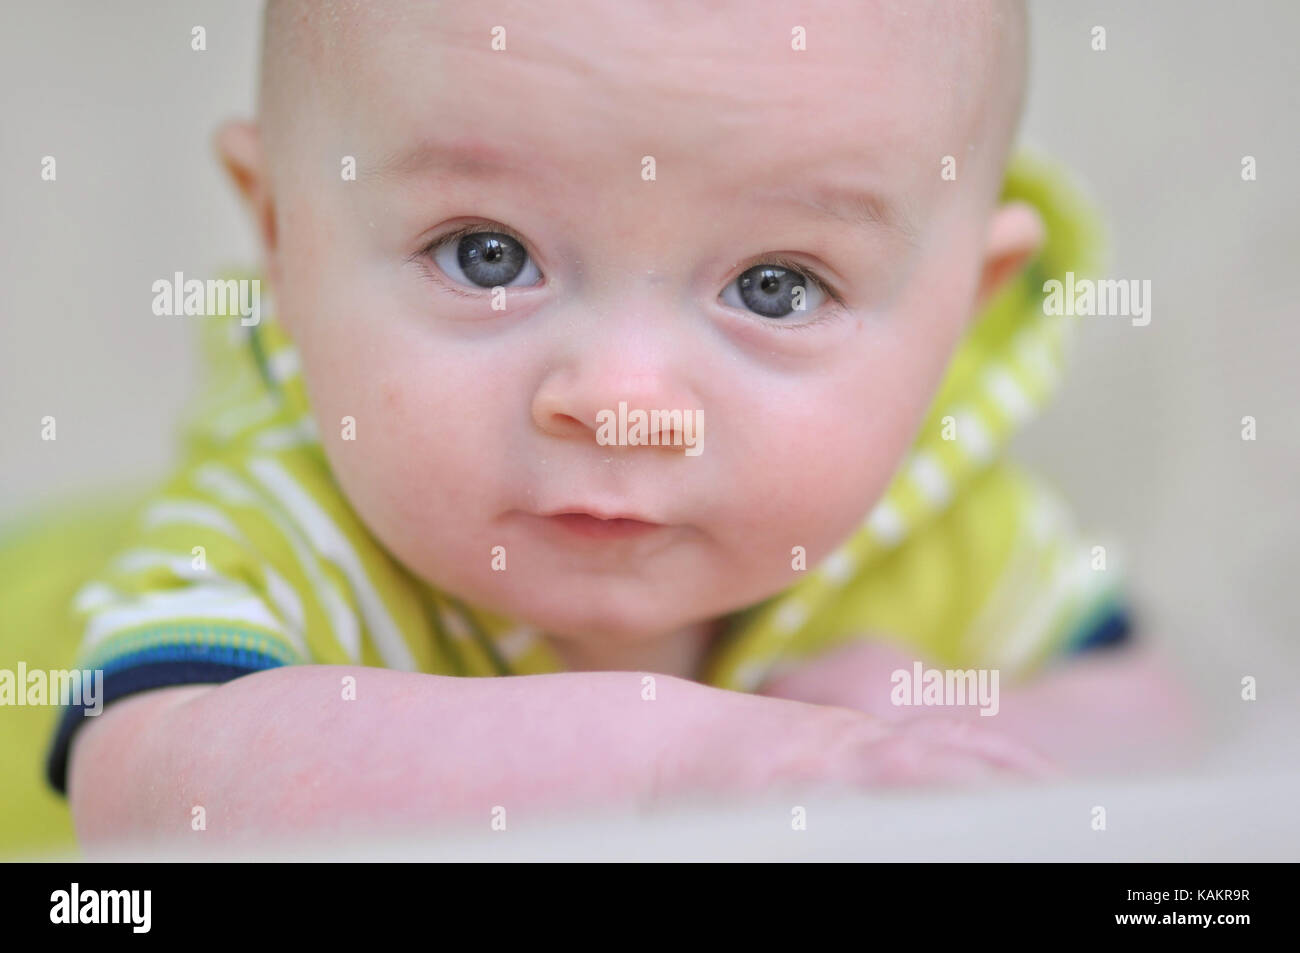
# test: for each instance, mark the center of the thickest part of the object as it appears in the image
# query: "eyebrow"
(476, 159)
(860, 208)
(466, 158)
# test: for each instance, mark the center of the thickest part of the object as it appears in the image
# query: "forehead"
(715, 92)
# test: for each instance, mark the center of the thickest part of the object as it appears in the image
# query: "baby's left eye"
(774, 291)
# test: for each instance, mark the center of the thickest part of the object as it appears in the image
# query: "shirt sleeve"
(249, 557)
(207, 586)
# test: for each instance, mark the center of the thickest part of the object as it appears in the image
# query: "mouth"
(592, 526)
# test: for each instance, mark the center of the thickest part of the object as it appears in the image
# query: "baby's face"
(626, 170)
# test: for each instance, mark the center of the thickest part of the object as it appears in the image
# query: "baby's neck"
(682, 653)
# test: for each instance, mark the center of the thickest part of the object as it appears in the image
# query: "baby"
(613, 350)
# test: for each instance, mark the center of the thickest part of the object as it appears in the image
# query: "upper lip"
(598, 513)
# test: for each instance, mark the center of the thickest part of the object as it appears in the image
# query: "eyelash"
(422, 258)
(779, 261)
(472, 229)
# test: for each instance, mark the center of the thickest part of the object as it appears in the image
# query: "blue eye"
(774, 291)
(485, 259)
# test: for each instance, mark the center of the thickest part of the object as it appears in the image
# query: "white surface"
(1187, 818)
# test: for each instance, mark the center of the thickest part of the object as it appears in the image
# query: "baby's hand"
(1107, 711)
(863, 751)
(894, 745)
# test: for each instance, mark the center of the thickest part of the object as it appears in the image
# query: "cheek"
(825, 456)
(424, 430)
(429, 421)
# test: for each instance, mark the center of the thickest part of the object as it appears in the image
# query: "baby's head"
(687, 211)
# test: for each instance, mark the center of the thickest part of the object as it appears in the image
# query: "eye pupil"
(490, 258)
(769, 290)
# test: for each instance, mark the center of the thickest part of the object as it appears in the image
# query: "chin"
(575, 616)
(622, 627)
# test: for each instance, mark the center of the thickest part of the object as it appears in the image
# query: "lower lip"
(592, 527)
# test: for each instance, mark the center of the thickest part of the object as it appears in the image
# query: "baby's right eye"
(484, 258)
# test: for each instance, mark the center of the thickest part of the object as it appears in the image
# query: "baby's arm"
(281, 753)
(1102, 710)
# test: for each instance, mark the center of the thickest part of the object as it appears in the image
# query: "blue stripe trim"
(159, 667)
(172, 641)
(1109, 629)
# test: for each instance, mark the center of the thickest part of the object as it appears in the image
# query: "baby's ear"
(239, 146)
(1016, 232)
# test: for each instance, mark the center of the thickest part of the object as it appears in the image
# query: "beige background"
(1144, 438)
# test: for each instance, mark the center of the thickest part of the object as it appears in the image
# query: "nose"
(606, 376)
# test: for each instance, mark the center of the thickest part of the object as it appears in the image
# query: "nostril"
(568, 424)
